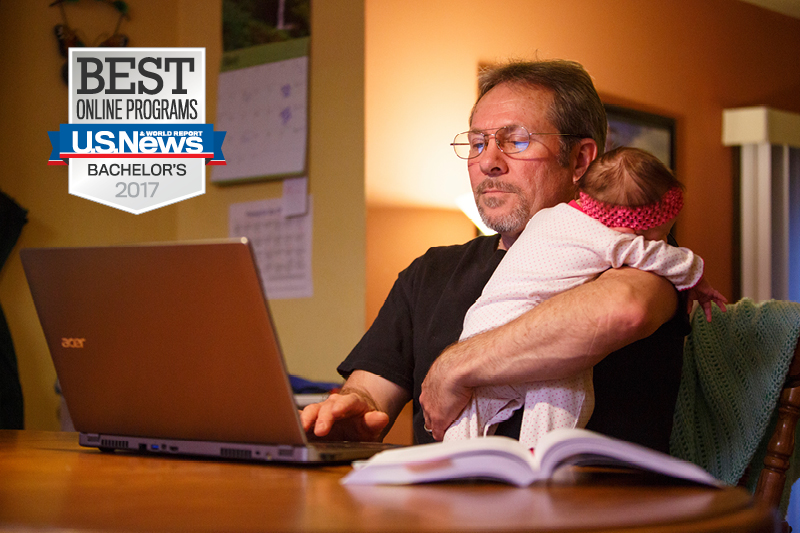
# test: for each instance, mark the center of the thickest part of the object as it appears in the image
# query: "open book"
(506, 460)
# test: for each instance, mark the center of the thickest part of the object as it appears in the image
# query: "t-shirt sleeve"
(386, 349)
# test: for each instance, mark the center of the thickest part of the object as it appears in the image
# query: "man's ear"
(586, 153)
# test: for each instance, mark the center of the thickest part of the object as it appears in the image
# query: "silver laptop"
(170, 349)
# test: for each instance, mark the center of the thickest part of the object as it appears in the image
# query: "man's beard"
(513, 222)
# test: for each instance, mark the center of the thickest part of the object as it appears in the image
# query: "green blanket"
(733, 372)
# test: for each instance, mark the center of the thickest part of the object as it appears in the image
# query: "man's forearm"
(561, 337)
(566, 334)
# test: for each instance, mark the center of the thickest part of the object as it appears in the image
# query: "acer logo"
(72, 342)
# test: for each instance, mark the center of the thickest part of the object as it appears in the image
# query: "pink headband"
(642, 217)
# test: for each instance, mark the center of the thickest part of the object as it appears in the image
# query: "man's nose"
(492, 161)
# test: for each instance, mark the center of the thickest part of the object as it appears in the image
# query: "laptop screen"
(164, 340)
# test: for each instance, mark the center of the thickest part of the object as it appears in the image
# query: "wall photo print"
(650, 132)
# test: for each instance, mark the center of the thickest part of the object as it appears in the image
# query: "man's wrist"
(456, 365)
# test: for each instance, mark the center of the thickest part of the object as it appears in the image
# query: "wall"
(33, 100)
(686, 59)
(397, 235)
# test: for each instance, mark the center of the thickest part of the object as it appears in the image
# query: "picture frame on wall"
(639, 129)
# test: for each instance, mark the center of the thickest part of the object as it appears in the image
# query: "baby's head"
(628, 189)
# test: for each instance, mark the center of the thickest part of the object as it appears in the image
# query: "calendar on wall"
(281, 243)
(263, 108)
(262, 96)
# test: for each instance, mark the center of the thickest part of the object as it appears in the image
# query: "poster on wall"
(263, 89)
(646, 131)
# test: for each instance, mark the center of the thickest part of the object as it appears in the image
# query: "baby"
(628, 201)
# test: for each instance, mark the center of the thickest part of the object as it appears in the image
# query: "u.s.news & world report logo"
(137, 138)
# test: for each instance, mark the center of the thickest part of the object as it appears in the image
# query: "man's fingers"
(347, 405)
(434, 423)
(375, 421)
(324, 420)
(322, 416)
(438, 426)
(309, 415)
(334, 408)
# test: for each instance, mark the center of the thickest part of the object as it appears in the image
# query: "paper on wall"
(263, 108)
(282, 245)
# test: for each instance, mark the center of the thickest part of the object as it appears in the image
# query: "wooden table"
(48, 482)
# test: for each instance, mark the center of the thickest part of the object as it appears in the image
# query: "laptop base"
(322, 452)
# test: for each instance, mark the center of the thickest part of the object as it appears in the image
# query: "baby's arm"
(682, 267)
(704, 293)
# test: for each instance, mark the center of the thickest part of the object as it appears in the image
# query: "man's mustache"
(496, 185)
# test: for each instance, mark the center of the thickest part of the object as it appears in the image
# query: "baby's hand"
(704, 293)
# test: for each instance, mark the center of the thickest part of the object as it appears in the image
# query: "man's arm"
(564, 335)
(363, 411)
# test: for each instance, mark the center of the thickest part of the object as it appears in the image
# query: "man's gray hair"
(577, 108)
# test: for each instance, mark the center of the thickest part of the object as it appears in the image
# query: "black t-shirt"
(635, 388)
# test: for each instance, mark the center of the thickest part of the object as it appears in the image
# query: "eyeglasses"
(509, 139)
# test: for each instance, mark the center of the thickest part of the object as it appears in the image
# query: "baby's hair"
(628, 177)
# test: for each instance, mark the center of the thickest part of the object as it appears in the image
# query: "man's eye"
(512, 146)
(476, 145)
(520, 145)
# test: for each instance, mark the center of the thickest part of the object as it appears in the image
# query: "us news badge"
(137, 138)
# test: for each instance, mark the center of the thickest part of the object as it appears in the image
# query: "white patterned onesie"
(561, 248)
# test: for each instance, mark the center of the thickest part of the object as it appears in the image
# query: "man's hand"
(347, 416)
(442, 398)
(363, 411)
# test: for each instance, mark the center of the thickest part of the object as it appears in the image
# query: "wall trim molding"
(757, 125)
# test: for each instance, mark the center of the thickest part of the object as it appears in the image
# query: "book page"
(495, 458)
(562, 447)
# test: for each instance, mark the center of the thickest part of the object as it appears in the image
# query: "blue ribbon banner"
(109, 141)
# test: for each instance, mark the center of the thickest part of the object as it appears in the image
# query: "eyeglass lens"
(509, 139)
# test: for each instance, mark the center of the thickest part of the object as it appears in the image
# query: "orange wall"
(686, 59)
(397, 235)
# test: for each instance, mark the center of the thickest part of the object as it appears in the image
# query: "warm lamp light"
(466, 202)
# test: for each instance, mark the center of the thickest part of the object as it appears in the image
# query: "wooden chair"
(772, 478)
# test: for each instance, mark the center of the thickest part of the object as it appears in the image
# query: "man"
(409, 352)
